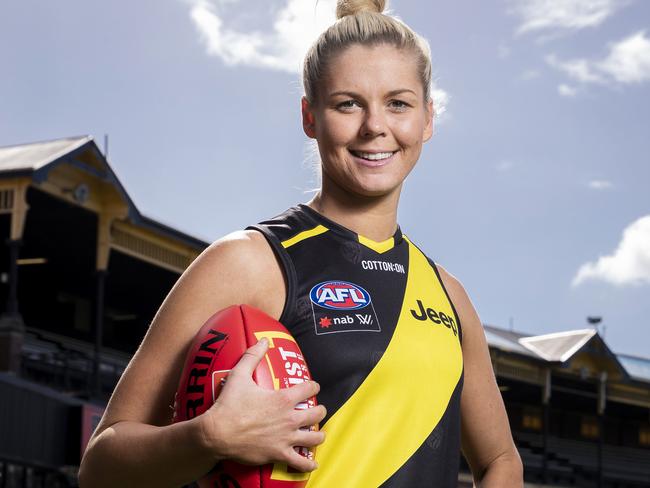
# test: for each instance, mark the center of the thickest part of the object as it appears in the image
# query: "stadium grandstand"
(83, 272)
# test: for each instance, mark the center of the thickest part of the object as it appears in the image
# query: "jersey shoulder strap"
(281, 232)
(434, 266)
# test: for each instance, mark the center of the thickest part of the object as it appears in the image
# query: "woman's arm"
(486, 438)
(134, 443)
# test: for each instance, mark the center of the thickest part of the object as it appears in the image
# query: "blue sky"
(534, 191)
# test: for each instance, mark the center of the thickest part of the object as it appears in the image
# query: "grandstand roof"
(36, 159)
(638, 368)
(560, 347)
(34, 156)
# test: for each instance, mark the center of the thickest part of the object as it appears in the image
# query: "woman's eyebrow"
(391, 93)
(400, 91)
(343, 92)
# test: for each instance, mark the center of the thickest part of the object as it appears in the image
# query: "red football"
(216, 349)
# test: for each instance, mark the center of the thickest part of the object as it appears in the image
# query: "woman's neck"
(371, 217)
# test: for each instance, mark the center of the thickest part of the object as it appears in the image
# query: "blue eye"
(399, 105)
(347, 105)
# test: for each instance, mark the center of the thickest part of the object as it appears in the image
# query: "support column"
(602, 401)
(103, 250)
(12, 298)
(546, 400)
(12, 326)
(100, 280)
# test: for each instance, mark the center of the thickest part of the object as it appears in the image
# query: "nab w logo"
(339, 295)
(364, 319)
(341, 306)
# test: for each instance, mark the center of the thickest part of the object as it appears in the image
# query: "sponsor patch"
(383, 266)
(423, 314)
(341, 306)
(339, 295)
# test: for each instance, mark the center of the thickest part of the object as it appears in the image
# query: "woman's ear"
(308, 120)
(429, 123)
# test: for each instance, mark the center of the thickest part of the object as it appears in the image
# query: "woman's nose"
(374, 123)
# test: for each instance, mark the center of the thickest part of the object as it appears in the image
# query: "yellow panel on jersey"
(380, 247)
(319, 229)
(403, 398)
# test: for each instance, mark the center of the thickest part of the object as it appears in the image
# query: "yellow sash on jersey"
(401, 400)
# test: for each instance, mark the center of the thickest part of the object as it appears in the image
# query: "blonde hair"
(362, 22)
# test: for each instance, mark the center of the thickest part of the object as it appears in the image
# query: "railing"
(626, 463)
(16, 473)
(575, 460)
(67, 364)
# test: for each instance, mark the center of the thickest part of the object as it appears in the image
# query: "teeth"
(374, 156)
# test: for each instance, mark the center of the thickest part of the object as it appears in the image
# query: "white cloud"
(567, 15)
(440, 100)
(629, 264)
(627, 62)
(600, 184)
(579, 69)
(567, 90)
(295, 27)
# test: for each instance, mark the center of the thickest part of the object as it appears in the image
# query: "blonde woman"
(393, 340)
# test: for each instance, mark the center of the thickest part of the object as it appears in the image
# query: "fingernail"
(264, 341)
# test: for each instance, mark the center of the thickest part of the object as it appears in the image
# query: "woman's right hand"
(252, 425)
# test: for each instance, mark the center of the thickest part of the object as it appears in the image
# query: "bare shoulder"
(452, 284)
(245, 248)
(486, 437)
(238, 268)
(459, 297)
(227, 272)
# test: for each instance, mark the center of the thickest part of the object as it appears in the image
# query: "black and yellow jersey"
(383, 339)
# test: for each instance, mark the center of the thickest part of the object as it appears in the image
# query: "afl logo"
(339, 295)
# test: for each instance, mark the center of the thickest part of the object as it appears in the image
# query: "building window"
(531, 419)
(589, 427)
(644, 436)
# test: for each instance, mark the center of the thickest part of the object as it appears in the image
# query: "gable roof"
(36, 159)
(561, 347)
(506, 340)
(26, 158)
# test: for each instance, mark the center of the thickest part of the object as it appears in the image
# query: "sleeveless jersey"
(382, 338)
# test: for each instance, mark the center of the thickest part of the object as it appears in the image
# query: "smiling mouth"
(374, 156)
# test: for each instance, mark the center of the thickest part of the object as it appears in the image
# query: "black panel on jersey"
(441, 451)
(338, 361)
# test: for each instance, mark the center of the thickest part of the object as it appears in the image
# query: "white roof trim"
(18, 152)
(529, 343)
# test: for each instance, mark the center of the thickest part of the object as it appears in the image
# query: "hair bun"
(351, 7)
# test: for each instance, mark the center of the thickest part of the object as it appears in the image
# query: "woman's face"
(370, 119)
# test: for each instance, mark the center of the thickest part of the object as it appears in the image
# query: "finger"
(311, 416)
(299, 462)
(302, 391)
(251, 358)
(308, 438)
